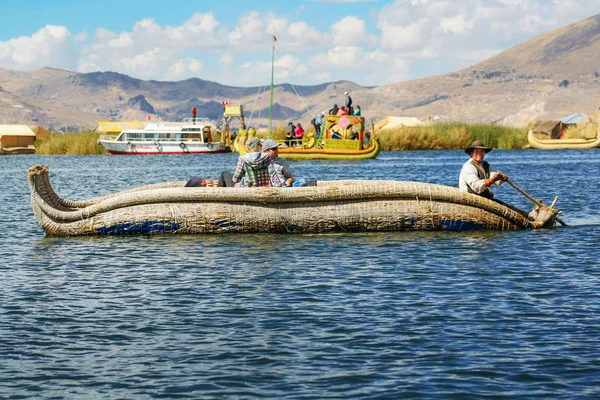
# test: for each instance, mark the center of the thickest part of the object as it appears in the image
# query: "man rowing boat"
(475, 176)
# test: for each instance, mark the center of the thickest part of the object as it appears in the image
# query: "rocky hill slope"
(549, 76)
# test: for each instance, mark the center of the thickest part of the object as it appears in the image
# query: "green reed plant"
(70, 144)
(452, 136)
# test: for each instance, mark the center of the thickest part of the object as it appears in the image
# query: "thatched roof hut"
(16, 139)
(549, 128)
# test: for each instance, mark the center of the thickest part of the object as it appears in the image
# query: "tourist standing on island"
(348, 104)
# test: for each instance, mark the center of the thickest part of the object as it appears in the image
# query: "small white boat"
(185, 137)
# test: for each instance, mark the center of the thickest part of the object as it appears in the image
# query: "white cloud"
(254, 28)
(227, 59)
(52, 45)
(403, 37)
(304, 33)
(394, 40)
(81, 37)
(183, 69)
(457, 25)
(350, 29)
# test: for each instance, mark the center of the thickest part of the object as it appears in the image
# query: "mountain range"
(547, 77)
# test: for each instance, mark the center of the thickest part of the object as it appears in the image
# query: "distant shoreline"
(435, 137)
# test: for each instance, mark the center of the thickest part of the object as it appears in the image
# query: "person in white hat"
(348, 103)
(475, 176)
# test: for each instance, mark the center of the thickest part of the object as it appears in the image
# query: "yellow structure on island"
(116, 127)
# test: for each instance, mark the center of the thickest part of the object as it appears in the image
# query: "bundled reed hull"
(331, 154)
(332, 206)
(562, 144)
(315, 153)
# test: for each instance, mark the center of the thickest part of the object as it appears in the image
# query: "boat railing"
(151, 140)
(197, 119)
(185, 121)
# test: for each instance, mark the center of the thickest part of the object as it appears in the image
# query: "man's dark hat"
(477, 144)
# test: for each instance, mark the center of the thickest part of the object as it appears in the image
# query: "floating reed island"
(345, 205)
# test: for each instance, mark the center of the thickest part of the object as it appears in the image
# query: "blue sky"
(368, 42)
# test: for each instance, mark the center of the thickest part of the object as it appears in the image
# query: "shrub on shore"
(451, 137)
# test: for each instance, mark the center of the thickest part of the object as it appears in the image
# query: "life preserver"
(156, 143)
(210, 146)
(182, 145)
(129, 145)
(310, 143)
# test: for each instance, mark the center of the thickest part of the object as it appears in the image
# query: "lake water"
(370, 316)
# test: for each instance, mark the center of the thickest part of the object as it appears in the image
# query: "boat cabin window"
(149, 136)
(133, 135)
(191, 136)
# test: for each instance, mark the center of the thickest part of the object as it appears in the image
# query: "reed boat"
(343, 138)
(344, 205)
(561, 144)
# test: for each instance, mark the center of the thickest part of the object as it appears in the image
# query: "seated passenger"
(342, 111)
(255, 169)
(226, 178)
(253, 144)
(282, 167)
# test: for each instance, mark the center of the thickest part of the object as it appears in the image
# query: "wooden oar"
(536, 202)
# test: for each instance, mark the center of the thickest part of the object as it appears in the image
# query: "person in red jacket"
(194, 115)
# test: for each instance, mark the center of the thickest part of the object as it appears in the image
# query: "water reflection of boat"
(185, 137)
(361, 205)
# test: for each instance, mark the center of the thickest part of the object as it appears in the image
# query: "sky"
(369, 42)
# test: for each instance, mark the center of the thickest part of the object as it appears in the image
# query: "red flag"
(274, 38)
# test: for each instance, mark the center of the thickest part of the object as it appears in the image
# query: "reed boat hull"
(562, 144)
(347, 206)
(17, 150)
(293, 153)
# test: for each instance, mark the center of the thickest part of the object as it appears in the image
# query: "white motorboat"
(190, 136)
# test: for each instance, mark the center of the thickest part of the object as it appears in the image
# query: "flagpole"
(272, 78)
